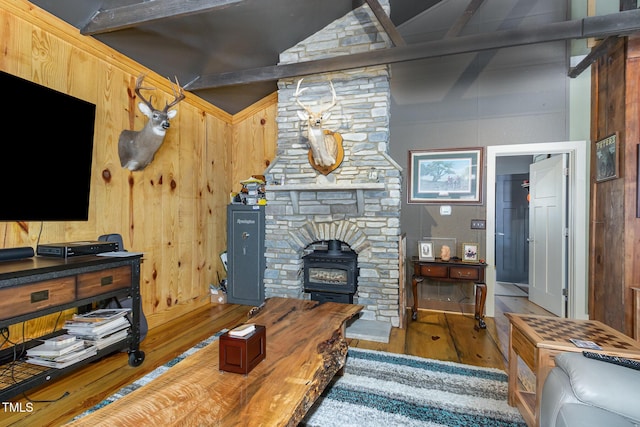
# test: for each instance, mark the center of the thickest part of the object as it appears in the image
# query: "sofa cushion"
(577, 414)
(603, 385)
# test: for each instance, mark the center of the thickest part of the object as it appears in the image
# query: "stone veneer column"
(348, 204)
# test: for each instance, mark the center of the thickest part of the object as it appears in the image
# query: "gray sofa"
(582, 392)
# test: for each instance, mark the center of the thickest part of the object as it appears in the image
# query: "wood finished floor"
(435, 334)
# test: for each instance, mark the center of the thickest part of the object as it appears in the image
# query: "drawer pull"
(105, 281)
(39, 296)
(463, 275)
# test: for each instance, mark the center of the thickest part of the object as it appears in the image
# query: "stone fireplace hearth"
(358, 203)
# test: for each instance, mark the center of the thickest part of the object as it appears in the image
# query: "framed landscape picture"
(445, 176)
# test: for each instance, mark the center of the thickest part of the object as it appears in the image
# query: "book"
(95, 329)
(242, 330)
(49, 350)
(585, 344)
(101, 315)
(107, 340)
(60, 340)
(64, 361)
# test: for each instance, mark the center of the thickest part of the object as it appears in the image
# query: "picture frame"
(607, 163)
(425, 251)
(470, 252)
(446, 176)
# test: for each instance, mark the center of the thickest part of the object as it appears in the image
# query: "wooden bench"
(306, 347)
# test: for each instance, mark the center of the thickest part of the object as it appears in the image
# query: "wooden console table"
(306, 347)
(451, 271)
(538, 339)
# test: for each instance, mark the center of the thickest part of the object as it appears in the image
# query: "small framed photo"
(470, 252)
(606, 161)
(425, 251)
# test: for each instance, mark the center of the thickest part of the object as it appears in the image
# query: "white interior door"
(548, 234)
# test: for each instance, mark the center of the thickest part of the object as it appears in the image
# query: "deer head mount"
(137, 148)
(326, 151)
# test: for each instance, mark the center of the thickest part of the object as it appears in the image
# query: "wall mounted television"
(47, 153)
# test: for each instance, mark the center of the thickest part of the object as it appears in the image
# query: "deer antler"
(178, 95)
(139, 87)
(299, 92)
(333, 99)
(307, 109)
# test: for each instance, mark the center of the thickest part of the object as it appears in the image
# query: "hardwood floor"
(435, 334)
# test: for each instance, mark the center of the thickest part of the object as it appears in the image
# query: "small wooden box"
(242, 354)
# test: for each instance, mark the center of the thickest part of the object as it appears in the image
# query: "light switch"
(478, 224)
(445, 210)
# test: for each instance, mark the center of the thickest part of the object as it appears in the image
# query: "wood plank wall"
(615, 227)
(174, 210)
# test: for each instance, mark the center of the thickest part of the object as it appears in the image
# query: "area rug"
(386, 389)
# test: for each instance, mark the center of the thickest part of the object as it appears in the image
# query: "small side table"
(451, 271)
(538, 339)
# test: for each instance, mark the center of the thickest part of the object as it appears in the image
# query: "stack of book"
(100, 328)
(60, 351)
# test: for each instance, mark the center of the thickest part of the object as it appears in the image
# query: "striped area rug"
(386, 389)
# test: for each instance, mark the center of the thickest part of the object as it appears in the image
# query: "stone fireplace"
(358, 203)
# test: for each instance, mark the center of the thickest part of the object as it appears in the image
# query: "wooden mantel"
(295, 190)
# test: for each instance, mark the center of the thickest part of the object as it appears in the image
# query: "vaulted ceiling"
(227, 51)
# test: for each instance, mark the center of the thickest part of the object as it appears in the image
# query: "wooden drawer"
(25, 299)
(99, 282)
(434, 271)
(464, 273)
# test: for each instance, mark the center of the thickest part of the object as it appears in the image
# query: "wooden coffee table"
(306, 347)
(538, 339)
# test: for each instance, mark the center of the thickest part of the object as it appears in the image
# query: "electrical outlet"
(478, 224)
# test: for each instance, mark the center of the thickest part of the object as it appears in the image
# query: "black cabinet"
(245, 254)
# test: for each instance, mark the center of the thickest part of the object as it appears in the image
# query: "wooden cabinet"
(31, 288)
(451, 271)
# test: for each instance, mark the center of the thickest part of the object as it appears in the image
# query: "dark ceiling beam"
(385, 21)
(615, 24)
(457, 26)
(119, 18)
(601, 49)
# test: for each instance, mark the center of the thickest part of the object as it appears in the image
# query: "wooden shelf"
(295, 190)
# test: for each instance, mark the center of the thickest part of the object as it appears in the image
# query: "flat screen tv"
(47, 146)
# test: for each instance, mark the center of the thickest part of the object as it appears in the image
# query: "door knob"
(499, 234)
(245, 235)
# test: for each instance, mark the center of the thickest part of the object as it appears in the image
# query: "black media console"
(34, 287)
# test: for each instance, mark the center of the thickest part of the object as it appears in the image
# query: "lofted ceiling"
(227, 51)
